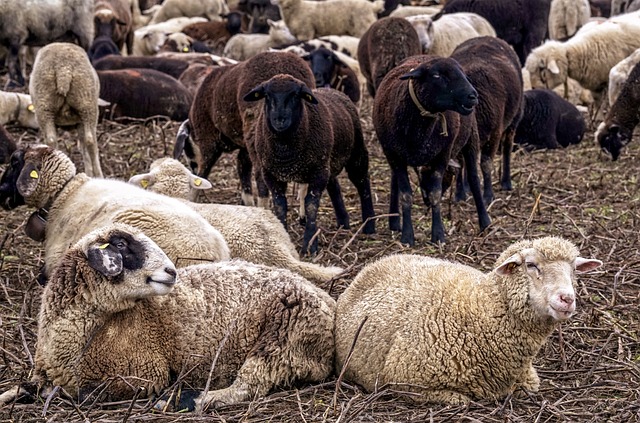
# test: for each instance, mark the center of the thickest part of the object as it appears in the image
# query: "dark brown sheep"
(7, 145)
(143, 93)
(330, 71)
(113, 18)
(193, 76)
(309, 137)
(221, 121)
(383, 46)
(172, 67)
(216, 33)
(423, 116)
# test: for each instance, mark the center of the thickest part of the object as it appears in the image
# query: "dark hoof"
(506, 186)
(369, 228)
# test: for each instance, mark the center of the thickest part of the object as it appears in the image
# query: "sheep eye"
(532, 266)
(121, 245)
(435, 75)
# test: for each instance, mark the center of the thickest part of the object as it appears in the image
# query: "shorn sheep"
(450, 332)
(253, 234)
(118, 314)
(65, 89)
(70, 205)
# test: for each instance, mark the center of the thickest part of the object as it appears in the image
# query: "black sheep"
(549, 121)
(521, 23)
(7, 145)
(423, 116)
(309, 137)
(330, 71)
(102, 46)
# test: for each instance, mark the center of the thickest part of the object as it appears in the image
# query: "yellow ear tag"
(103, 246)
(31, 107)
(256, 95)
(34, 174)
(144, 183)
(185, 49)
(197, 182)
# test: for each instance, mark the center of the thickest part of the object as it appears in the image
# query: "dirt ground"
(590, 366)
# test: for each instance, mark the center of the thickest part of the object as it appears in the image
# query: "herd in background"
(282, 83)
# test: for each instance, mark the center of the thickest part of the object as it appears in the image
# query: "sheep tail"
(183, 134)
(63, 82)
(314, 272)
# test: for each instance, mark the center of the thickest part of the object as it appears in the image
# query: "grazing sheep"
(521, 23)
(619, 73)
(149, 39)
(102, 46)
(143, 93)
(253, 234)
(383, 46)
(423, 116)
(64, 88)
(210, 9)
(16, 107)
(309, 137)
(221, 121)
(549, 121)
(7, 145)
(244, 46)
(73, 204)
(216, 33)
(117, 310)
(330, 71)
(193, 76)
(37, 23)
(566, 17)
(310, 19)
(441, 37)
(587, 57)
(113, 18)
(172, 67)
(617, 129)
(450, 332)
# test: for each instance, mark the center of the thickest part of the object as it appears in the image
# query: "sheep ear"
(105, 259)
(255, 94)
(142, 180)
(28, 180)
(553, 67)
(307, 96)
(509, 265)
(584, 265)
(199, 183)
(614, 129)
(412, 74)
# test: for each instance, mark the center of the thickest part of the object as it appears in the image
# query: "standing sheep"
(112, 18)
(450, 332)
(330, 71)
(619, 73)
(117, 310)
(65, 89)
(566, 17)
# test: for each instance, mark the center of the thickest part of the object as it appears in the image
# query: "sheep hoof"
(506, 185)
(188, 401)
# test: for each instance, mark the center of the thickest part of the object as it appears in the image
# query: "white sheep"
(405, 11)
(210, 9)
(566, 17)
(73, 204)
(65, 89)
(587, 57)
(16, 107)
(442, 36)
(117, 311)
(148, 40)
(450, 332)
(244, 46)
(252, 233)
(619, 73)
(308, 19)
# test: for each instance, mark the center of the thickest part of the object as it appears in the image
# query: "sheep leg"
(279, 195)
(474, 183)
(342, 216)
(530, 380)
(358, 172)
(486, 165)
(244, 169)
(48, 128)
(431, 183)
(406, 200)
(16, 80)
(462, 185)
(394, 214)
(88, 146)
(507, 146)
(311, 205)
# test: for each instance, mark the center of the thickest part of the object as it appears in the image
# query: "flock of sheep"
(143, 285)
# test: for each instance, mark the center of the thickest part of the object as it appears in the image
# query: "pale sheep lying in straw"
(252, 233)
(16, 107)
(450, 332)
(117, 315)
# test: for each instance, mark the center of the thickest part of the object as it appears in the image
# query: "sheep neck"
(65, 192)
(425, 113)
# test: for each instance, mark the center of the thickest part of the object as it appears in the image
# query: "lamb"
(310, 19)
(587, 57)
(549, 121)
(253, 234)
(36, 23)
(113, 19)
(116, 299)
(309, 137)
(70, 205)
(616, 131)
(16, 107)
(451, 333)
(65, 89)
(7, 145)
(521, 23)
(441, 37)
(222, 121)
(330, 71)
(244, 46)
(383, 46)
(149, 39)
(619, 73)
(210, 9)
(566, 17)
(427, 121)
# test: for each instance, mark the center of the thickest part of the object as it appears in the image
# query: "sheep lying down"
(117, 315)
(450, 332)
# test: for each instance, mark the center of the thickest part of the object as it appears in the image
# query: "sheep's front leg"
(399, 173)
(244, 169)
(278, 193)
(507, 145)
(431, 183)
(311, 205)
(16, 80)
(394, 208)
(529, 380)
(474, 183)
(342, 216)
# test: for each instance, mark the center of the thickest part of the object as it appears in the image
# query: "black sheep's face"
(444, 86)
(322, 62)
(613, 139)
(10, 197)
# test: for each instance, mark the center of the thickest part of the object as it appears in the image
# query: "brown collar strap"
(337, 80)
(17, 112)
(425, 113)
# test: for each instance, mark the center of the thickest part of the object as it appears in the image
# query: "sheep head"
(548, 65)
(613, 138)
(539, 277)
(283, 102)
(170, 177)
(323, 62)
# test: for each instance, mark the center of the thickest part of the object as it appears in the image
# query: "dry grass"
(590, 367)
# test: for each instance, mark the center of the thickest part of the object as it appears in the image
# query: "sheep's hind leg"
(342, 216)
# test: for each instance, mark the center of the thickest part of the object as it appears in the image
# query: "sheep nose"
(170, 271)
(473, 97)
(567, 298)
